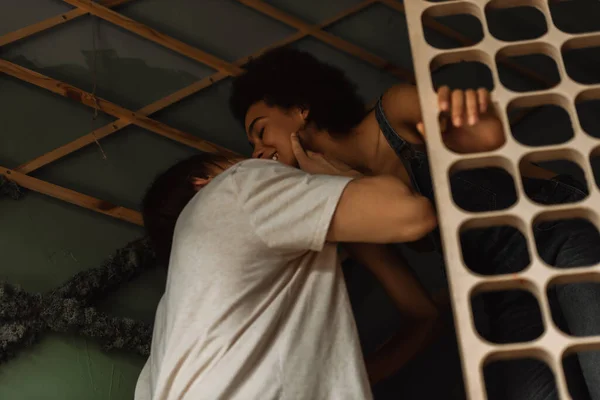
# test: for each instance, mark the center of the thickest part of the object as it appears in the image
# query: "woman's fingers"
(483, 97)
(464, 106)
(458, 105)
(471, 107)
(444, 98)
(297, 148)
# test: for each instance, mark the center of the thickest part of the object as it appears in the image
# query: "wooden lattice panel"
(553, 344)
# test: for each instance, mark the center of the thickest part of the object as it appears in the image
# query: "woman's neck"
(366, 150)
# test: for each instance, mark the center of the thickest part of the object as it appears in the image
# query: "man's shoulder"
(254, 163)
(256, 169)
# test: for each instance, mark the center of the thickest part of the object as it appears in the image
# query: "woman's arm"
(373, 209)
(469, 122)
(422, 317)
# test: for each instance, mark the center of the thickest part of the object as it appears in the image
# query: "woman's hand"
(315, 163)
(467, 120)
(460, 108)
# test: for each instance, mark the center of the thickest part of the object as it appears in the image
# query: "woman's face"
(269, 129)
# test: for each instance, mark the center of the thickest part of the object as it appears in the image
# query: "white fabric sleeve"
(288, 208)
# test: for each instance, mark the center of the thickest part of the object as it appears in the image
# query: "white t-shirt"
(255, 305)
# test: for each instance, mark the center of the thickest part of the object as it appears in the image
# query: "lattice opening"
(584, 13)
(468, 23)
(533, 129)
(488, 236)
(588, 111)
(565, 310)
(530, 21)
(570, 186)
(595, 163)
(503, 377)
(582, 62)
(483, 189)
(546, 230)
(461, 73)
(513, 316)
(571, 366)
(541, 62)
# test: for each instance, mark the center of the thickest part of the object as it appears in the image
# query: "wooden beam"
(115, 110)
(51, 22)
(326, 37)
(73, 197)
(117, 125)
(155, 36)
(158, 105)
(346, 13)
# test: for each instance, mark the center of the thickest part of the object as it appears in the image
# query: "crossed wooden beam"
(141, 117)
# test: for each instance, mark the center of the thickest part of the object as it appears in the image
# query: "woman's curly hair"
(287, 78)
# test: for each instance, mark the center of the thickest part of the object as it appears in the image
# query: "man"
(255, 305)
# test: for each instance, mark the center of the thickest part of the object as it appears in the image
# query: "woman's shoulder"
(396, 99)
(389, 113)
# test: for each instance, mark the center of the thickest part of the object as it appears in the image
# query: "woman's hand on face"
(315, 163)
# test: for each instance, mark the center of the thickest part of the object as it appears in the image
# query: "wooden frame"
(73, 197)
(553, 344)
(31, 30)
(88, 99)
(166, 101)
(225, 69)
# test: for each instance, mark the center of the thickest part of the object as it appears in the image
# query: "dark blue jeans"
(501, 250)
(513, 316)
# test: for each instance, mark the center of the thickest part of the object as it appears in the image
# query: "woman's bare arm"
(376, 209)
(422, 317)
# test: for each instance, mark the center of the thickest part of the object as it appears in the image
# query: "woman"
(287, 91)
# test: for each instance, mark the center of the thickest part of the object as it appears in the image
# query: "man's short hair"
(168, 195)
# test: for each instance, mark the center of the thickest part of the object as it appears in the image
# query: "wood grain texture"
(73, 197)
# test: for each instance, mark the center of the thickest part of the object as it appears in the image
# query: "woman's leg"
(564, 244)
(513, 317)
(568, 244)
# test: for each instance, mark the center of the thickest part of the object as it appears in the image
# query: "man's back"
(255, 303)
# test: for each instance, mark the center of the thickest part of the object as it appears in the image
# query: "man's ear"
(199, 183)
(304, 112)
